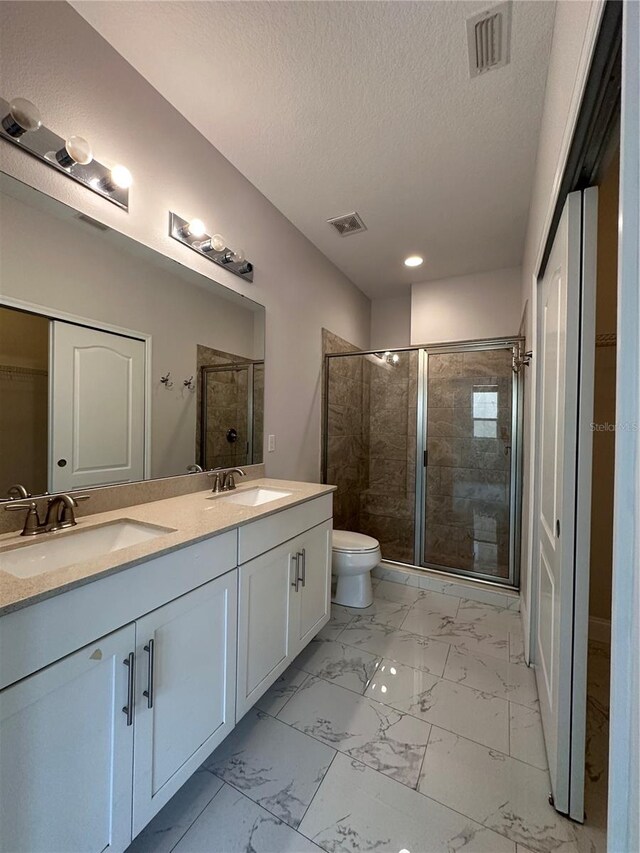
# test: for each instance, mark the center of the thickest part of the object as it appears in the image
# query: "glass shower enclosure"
(423, 445)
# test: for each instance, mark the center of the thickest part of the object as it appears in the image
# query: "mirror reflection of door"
(24, 371)
(97, 407)
(231, 414)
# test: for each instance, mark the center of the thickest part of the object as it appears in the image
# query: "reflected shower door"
(225, 427)
(469, 468)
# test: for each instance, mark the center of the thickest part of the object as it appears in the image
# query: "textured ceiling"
(330, 107)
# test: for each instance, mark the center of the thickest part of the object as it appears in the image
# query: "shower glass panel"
(370, 447)
(467, 503)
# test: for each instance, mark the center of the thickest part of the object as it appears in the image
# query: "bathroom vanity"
(121, 673)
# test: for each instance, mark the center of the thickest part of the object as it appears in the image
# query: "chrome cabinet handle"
(296, 582)
(150, 649)
(303, 554)
(128, 708)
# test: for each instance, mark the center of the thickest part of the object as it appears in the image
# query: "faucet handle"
(217, 484)
(32, 521)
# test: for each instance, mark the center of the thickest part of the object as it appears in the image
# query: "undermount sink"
(256, 497)
(57, 550)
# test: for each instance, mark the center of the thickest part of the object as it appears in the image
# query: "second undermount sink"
(256, 497)
(57, 550)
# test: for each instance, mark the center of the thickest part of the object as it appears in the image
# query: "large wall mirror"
(117, 364)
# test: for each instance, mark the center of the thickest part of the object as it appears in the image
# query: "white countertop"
(192, 518)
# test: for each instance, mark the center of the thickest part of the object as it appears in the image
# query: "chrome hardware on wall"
(166, 380)
(190, 384)
(22, 126)
(193, 234)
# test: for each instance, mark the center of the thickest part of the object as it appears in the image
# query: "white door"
(311, 605)
(264, 641)
(66, 753)
(565, 409)
(185, 690)
(97, 408)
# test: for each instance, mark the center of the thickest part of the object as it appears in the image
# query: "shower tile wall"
(468, 476)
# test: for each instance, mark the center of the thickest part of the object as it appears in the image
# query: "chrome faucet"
(194, 469)
(224, 481)
(60, 514)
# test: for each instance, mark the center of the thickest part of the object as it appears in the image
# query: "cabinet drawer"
(260, 536)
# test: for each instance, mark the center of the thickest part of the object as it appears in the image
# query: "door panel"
(67, 752)
(264, 642)
(97, 407)
(565, 343)
(192, 683)
(315, 592)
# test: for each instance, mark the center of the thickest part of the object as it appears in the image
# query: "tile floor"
(412, 726)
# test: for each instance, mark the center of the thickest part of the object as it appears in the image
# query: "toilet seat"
(346, 541)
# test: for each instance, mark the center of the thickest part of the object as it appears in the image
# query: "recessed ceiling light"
(413, 261)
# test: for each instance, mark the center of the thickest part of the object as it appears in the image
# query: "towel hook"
(166, 381)
(188, 383)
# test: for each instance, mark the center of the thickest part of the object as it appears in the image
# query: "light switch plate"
(271, 446)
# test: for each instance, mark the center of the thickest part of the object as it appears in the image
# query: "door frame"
(64, 316)
(514, 343)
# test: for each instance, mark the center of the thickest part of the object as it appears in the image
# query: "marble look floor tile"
(399, 592)
(526, 737)
(379, 736)
(516, 648)
(175, 818)
(496, 790)
(358, 810)
(469, 636)
(344, 665)
(397, 576)
(277, 767)
(401, 646)
(382, 612)
(513, 681)
(232, 823)
(437, 602)
(340, 618)
(489, 616)
(478, 716)
(281, 691)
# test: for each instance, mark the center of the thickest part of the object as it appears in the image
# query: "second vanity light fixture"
(21, 123)
(193, 234)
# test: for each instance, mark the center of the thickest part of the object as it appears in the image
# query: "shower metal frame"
(516, 344)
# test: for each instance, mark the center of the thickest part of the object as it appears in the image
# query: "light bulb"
(395, 358)
(121, 177)
(216, 243)
(22, 117)
(238, 256)
(413, 261)
(196, 228)
(76, 150)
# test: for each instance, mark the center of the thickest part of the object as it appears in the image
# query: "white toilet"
(353, 557)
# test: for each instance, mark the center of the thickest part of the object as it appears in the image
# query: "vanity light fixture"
(21, 125)
(413, 261)
(192, 233)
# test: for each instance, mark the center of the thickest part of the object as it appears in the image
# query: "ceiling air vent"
(488, 39)
(350, 223)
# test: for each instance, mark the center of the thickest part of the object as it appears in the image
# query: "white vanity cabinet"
(66, 753)
(283, 599)
(185, 693)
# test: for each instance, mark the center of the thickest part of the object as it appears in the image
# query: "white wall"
(50, 55)
(391, 322)
(574, 35)
(483, 305)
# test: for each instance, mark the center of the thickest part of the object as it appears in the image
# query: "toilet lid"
(346, 540)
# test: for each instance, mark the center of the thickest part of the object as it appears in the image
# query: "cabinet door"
(185, 694)
(312, 609)
(66, 753)
(263, 620)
